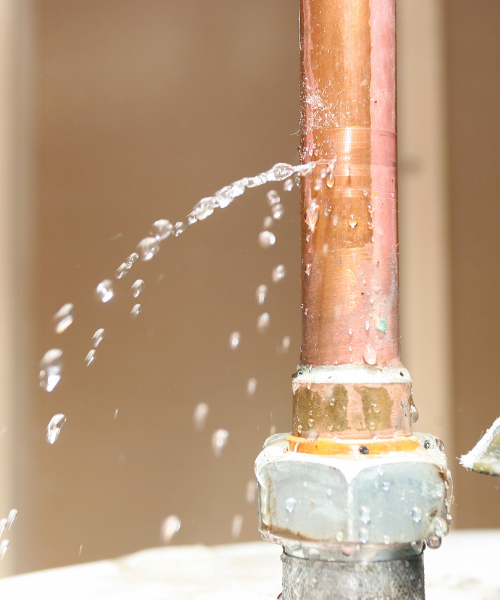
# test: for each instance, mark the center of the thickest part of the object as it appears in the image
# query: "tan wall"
(473, 54)
(142, 108)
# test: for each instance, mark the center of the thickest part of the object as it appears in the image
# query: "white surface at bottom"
(465, 567)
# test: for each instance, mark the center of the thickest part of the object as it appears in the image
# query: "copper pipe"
(349, 225)
(349, 200)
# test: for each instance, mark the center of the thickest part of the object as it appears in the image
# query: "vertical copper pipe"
(349, 195)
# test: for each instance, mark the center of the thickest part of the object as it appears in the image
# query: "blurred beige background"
(115, 113)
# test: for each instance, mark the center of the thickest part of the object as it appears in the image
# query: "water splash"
(266, 239)
(89, 359)
(137, 287)
(136, 310)
(104, 291)
(279, 273)
(54, 427)
(161, 229)
(219, 441)
(263, 322)
(251, 386)
(51, 367)
(234, 340)
(170, 526)
(261, 294)
(148, 247)
(200, 415)
(63, 318)
(98, 337)
(236, 526)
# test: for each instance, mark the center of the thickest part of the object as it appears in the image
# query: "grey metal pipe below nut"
(400, 579)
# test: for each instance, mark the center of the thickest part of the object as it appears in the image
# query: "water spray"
(352, 495)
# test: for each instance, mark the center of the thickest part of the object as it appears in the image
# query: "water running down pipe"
(351, 494)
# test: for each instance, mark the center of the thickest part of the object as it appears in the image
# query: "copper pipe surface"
(349, 194)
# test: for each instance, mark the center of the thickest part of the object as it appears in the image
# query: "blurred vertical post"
(15, 215)
(423, 217)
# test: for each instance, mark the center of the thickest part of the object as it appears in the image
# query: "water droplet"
(263, 322)
(299, 428)
(63, 318)
(364, 535)
(434, 542)
(386, 486)
(104, 291)
(3, 526)
(365, 193)
(200, 415)
(162, 228)
(330, 182)
(311, 422)
(349, 331)
(417, 545)
(339, 536)
(439, 443)
(414, 413)
(348, 549)
(251, 491)
(369, 224)
(416, 514)
(131, 259)
(204, 208)
(278, 211)
(371, 210)
(137, 287)
(219, 440)
(169, 528)
(179, 228)
(280, 171)
(236, 526)
(288, 185)
(4, 546)
(122, 270)
(278, 273)
(11, 518)
(54, 428)
(89, 359)
(440, 527)
(290, 504)
(268, 222)
(251, 386)
(98, 337)
(352, 221)
(387, 539)
(266, 239)
(370, 355)
(365, 514)
(367, 325)
(261, 294)
(136, 309)
(375, 407)
(148, 247)
(312, 215)
(273, 198)
(234, 340)
(318, 184)
(285, 344)
(50, 369)
(307, 269)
